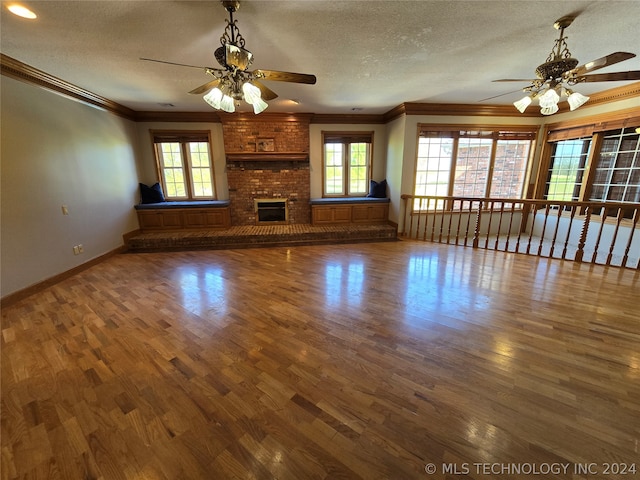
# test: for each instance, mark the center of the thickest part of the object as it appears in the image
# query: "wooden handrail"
(545, 228)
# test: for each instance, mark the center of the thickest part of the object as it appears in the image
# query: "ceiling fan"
(561, 71)
(234, 82)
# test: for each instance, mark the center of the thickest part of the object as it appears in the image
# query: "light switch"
(65, 210)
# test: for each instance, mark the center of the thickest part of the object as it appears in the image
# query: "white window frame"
(184, 139)
(346, 139)
(449, 158)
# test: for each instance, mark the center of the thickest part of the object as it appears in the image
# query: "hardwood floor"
(377, 360)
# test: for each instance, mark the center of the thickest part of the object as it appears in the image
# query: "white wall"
(54, 152)
(395, 171)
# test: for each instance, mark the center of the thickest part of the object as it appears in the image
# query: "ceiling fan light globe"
(251, 93)
(259, 106)
(549, 110)
(549, 99)
(214, 97)
(523, 103)
(576, 100)
(227, 104)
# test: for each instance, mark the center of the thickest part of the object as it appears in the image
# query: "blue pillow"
(152, 194)
(378, 189)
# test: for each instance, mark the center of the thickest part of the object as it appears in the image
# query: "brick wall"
(268, 179)
(290, 134)
(273, 178)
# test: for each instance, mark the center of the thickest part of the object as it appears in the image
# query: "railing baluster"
(555, 231)
(453, 203)
(499, 226)
(460, 212)
(636, 214)
(533, 222)
(418, 215)
(511, 215)
(469, 213)
(615, 235)
(566, 241)
(486, 240)
(544, 228)
(603, 218)
(476, 234)
(523, 224)
(444, 209)
(583, 234)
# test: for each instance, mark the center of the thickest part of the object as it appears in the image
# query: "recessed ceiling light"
(21, 11)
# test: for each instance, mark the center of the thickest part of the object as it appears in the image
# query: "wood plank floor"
(377, 360)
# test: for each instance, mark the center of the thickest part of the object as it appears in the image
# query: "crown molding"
(460, 109)
(614, 95)
(353, 118)
(265, 117)
(178, 117)
(13, 68)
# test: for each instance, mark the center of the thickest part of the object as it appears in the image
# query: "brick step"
(259, 236)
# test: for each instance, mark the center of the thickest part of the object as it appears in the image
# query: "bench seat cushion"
(185, 204)
(347, 200)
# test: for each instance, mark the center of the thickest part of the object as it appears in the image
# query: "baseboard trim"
(38, 287)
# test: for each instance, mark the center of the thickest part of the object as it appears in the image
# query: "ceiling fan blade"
(173, 63)
(601, 62)
(611, 77)
(501, 95)
(206, 87)
(286, 76)
(265, 92)
(514, 80)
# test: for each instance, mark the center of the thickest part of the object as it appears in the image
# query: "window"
(184, 165)
(566, 171)
(433, 171)
(615, 173)
(470, 164)
(347, 163)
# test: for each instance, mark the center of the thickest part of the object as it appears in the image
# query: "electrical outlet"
(80, 249)
(65, 210)
(76, 250)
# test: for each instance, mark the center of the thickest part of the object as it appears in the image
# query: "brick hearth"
(260, 236)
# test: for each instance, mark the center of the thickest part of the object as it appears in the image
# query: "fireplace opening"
(271, 211)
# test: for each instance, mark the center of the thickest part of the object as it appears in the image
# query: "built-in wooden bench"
(345, 210)
(192, 215)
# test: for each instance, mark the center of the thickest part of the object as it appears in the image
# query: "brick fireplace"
(267, 159)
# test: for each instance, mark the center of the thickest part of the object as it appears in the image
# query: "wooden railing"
(589, 232)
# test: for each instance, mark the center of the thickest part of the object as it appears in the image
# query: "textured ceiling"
(367, 55)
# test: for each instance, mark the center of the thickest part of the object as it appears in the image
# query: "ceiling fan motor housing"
(555, 68)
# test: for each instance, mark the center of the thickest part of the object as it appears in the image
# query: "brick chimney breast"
(267, 157)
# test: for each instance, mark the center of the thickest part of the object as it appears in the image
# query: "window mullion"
(184, 145)
(590, 167)
(452, 171)
(492, 160)
(346, 170)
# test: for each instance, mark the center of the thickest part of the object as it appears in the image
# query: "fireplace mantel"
(268, 157)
